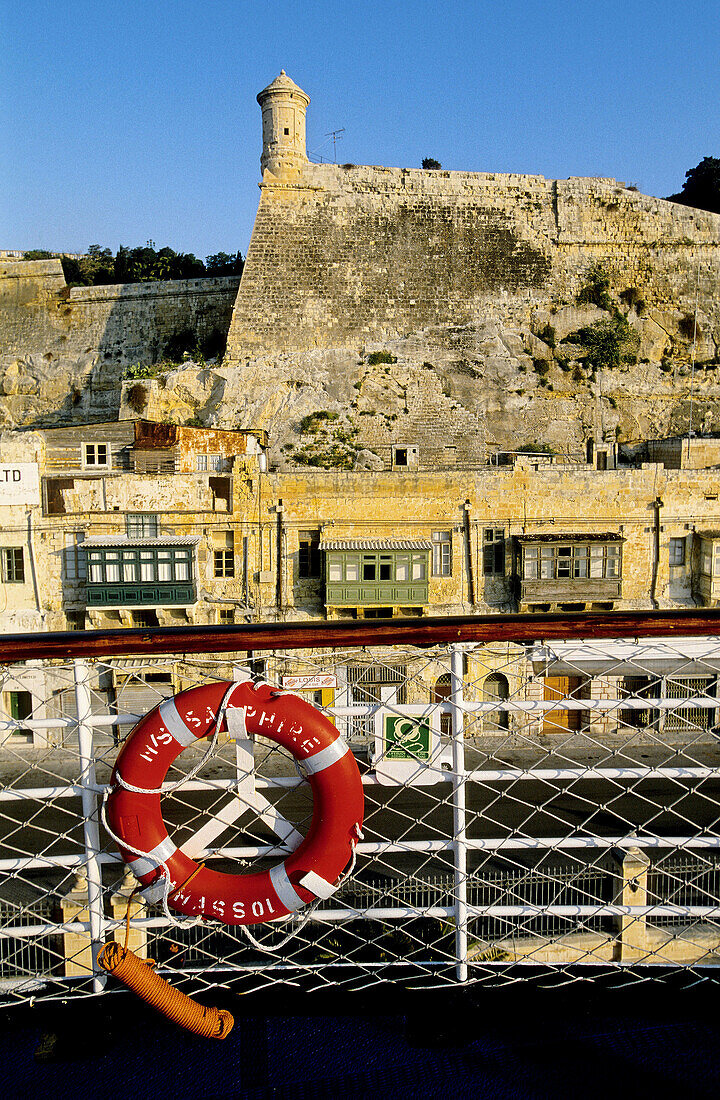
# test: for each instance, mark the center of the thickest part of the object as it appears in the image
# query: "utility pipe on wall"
(279, 572)
(657, 505)
(468, 552)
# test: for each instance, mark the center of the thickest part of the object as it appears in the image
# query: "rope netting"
(543, 812)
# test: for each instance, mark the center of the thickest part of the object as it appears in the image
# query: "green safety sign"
(406, 738)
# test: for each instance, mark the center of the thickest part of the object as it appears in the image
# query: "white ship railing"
(524, 778)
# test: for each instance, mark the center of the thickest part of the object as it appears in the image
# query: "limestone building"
(137, 523)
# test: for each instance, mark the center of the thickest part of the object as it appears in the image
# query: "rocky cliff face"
(567, 373)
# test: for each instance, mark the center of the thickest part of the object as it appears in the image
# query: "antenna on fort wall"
(336, 137)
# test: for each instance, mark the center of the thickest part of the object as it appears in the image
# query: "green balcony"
(376, 573)
(153, 572)
(140, 595)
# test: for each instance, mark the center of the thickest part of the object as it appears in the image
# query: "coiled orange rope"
(138, 975)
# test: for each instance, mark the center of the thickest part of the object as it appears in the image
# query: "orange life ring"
(311, 871)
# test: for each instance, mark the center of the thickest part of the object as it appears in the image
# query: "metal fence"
(553, 814)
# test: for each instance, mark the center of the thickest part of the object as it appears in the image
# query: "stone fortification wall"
(349, 255)
(63, 350)
(475, 286)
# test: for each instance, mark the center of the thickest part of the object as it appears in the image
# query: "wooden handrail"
(255, 637)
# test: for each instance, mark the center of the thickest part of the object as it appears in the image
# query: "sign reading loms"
(19, 483)
(309, 683)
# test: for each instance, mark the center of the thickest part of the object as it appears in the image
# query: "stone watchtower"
(283, 107)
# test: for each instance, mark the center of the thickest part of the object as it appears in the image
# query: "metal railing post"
(90, 809)
(459, 811)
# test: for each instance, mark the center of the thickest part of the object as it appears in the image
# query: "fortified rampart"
(65, 349)
(346, 255)
(448, 311)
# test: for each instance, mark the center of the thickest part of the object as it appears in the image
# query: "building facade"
(130, 523)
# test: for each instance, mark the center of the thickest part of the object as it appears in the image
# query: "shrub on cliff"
(608, 343)
(377, 357)
(136, 397)
(596, 290)
(330, 446)
(312, 422)
(536, 449)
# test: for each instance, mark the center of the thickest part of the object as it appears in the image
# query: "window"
(145, 618)
(309, 554)
(138, 564)
(221, 488)
(226, 616)
(493, 552)
(641, 687)
(141, 525)
(404, 456)
(369, 567)
(710, 558)
(689, 718)
(95, 454)
(386, 568)
(442, 553)
(224, 555)
(75, 620)
(496, 689)
(677, 551)
(418, 567)
(74, 559)
(441, 693)
(681, 718)
(370, 684)
(209, 462)
(20, 707)
(573, 562)
(13, 564)
(54, 489)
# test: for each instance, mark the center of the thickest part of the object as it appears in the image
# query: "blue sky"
(130, 121)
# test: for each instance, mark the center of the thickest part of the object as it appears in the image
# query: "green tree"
(140, 265)
(702, 186)
(97, 266)
(223, 263)
(72, 271)
(430, 162)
